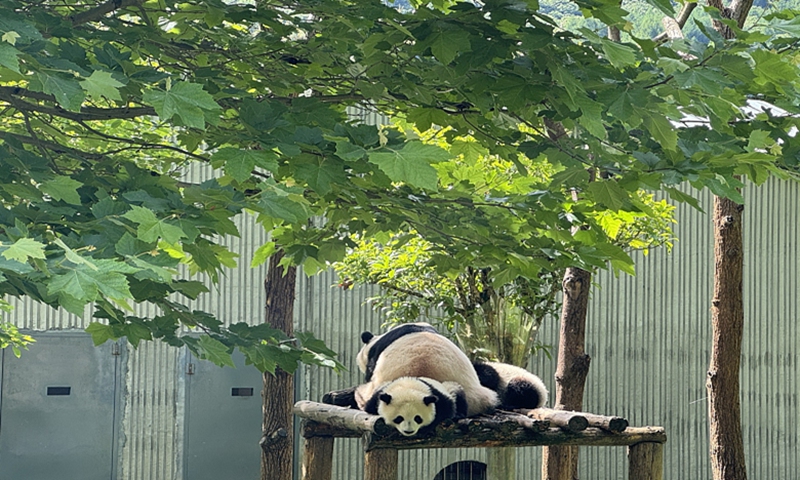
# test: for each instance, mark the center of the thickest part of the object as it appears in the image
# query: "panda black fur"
(414, 350)
(417, 404)
(516, 387)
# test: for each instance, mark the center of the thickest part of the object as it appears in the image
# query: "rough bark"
(561, 462)
(726, 444)
(278, 394)
(318, 458)
(727, 323)
(646, 461)
(380, 464)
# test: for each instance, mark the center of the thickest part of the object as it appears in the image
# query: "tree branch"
(680, 20)
(15, 95)
(55, 147)
(101, 10)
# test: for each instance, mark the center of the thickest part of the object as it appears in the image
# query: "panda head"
(408, 404)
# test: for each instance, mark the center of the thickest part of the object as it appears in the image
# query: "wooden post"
(318, 458)
(646, 461)
(380, 464)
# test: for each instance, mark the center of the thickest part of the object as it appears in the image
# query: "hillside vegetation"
(645, 20)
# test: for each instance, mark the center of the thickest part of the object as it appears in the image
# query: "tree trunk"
(727, 323)
(726, 444)
(561, 463)
(277, 444)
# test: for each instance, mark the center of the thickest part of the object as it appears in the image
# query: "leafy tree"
(107, 106)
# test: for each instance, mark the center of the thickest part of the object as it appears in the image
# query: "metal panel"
(58, 411)
(152, 419)
(223, 421)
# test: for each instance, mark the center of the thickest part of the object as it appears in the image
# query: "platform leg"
(318, 458)
(646, 461)
(380, 464)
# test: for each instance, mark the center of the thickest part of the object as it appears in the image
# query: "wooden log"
(474, 432)
(318, 458)
(380, 464)
(535, 424)
(567, 420)
(310, 428)
(612, 424)
(646, 461)
(343, 418)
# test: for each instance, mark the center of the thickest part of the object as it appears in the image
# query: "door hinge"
(115, 349)
(190, 369)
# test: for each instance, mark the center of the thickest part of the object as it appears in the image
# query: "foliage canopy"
(107, 106)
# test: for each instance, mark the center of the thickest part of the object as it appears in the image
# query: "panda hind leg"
(462, 408)
(341, 398)
(521, 393)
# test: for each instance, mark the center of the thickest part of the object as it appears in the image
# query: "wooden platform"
(323, 423)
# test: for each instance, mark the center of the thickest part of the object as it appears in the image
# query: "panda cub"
(417, 404)
(517, 387)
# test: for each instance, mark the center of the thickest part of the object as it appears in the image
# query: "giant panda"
(516, 386)
(417, 404)
(414, 350)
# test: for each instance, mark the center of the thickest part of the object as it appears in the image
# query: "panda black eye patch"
(398, 420)
(418, 419)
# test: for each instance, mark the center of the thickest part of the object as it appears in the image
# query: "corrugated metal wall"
(648, 335)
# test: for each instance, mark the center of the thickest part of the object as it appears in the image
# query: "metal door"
(223, 421)
(57, 410)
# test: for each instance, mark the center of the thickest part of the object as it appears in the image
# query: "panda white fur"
(418, 350)
(517, 387)
(417, 404)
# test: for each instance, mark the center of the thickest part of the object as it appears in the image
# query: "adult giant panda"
(517, 387)
(414, 350)
(417, 404)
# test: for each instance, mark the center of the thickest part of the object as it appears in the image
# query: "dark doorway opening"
(464, 470)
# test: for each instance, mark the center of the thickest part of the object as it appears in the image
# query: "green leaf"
(215, 351)
(186, 100)
(664, 5)
(281, 203)
(663, 131)
(320, 172)
(23, 249)
(84, 284)
(136, 332)
(11, 37)
(773, 68)
(68, 92)
(262, 254)
(240, 163)
(592, 119)
(100, 333)
(73, 256)
(63, 188)
(571, 177)
(679, 196)
(411, 164)
(619, 54)
(151, 228)
(101, 84)
(348, 151)
(8, 57)
(446, 42)
(610, 194)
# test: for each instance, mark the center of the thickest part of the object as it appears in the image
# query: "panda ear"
(429, 399)
(385, 398)
(366, 337)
